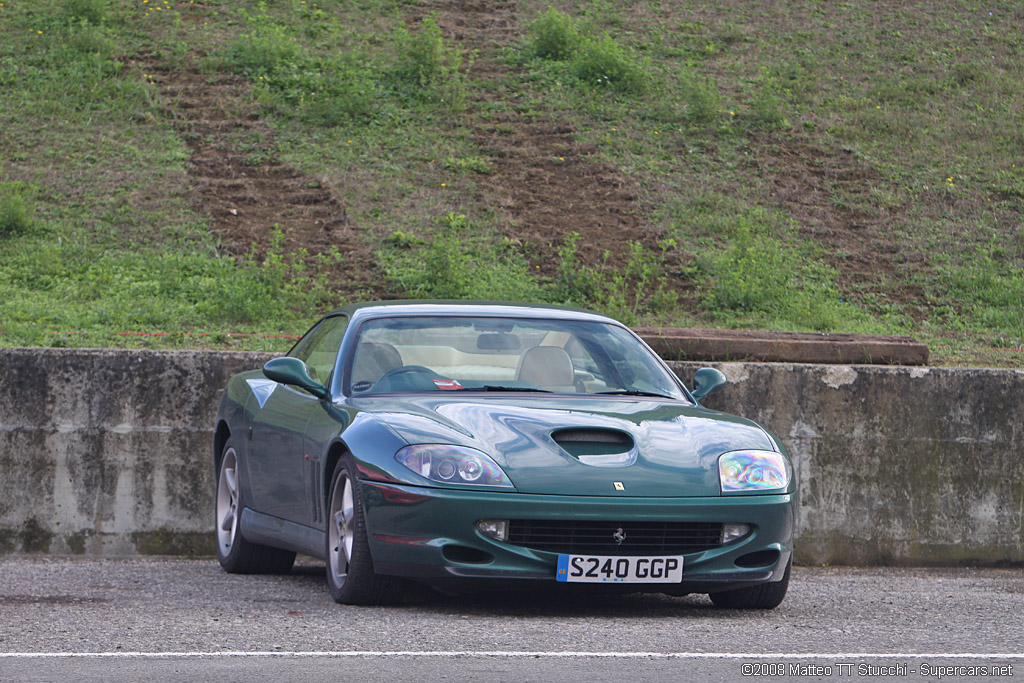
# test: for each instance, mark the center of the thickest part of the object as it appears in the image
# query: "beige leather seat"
(548, 367)
(373, 360)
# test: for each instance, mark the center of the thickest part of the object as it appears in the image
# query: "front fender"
(373, 446)
(231, 416)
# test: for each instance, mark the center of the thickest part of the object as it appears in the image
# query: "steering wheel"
(390, 380)
(404, 370)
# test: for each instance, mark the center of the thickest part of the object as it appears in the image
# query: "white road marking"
(521, 654)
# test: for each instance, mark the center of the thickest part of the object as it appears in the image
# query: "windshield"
(504, 354)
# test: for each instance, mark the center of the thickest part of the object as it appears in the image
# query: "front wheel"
(350, 575)
(237, 555)
(765, 596)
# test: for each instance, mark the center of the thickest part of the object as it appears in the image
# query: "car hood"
(673, 447)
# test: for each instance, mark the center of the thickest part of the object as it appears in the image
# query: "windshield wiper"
(494, 387)
(632, 392)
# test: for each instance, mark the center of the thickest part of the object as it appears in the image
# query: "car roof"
(502, 309)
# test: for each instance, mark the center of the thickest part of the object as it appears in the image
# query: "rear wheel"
(237, 555)
(764, 596)
(350, 575)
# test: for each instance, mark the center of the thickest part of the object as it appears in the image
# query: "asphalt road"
(174, 619)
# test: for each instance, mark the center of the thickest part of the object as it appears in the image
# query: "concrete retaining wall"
(108, 453)
(896, 465)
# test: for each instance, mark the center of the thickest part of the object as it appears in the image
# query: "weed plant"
(15, 211)
(95, 12)
(769, 104)
(601, 61)
(266, 49)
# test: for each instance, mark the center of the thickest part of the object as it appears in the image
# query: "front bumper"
(430, 534)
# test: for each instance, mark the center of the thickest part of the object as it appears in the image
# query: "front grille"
(598, 538)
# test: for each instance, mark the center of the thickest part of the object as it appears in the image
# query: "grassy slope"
(822, 166)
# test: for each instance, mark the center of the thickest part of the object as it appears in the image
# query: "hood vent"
(598, 447)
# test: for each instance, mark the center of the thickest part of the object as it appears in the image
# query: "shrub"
(334, 92)
(555, 35)
(602, 61)
(15, 214)
(768, 104)
(703, 102)
(574, 282)
(596, 61)
(427, 67)
(641, 287)
(265, 49)
(92, 11)
(753, 274)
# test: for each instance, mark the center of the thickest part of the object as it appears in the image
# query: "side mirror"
(294, 372)
(705, 381)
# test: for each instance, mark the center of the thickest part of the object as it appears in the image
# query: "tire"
(764, 596)
(237, 555)
(350, 575)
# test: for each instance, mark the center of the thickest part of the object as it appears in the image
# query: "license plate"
(619, 569)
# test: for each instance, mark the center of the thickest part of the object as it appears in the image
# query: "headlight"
(453, 465)
(754, 472)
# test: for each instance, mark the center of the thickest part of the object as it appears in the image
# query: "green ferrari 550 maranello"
(488, 445)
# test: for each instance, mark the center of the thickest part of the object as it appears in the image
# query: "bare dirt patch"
(240, 182)
(828, 193)
(545, 184)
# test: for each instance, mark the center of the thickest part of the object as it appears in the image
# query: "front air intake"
(615, 538)
(595, 446)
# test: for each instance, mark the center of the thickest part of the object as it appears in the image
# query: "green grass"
(465, 261)
(910, 126)
(461, 261)
(69, 292)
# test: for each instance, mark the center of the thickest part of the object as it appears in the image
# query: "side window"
(581, 357)
(319, 350)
